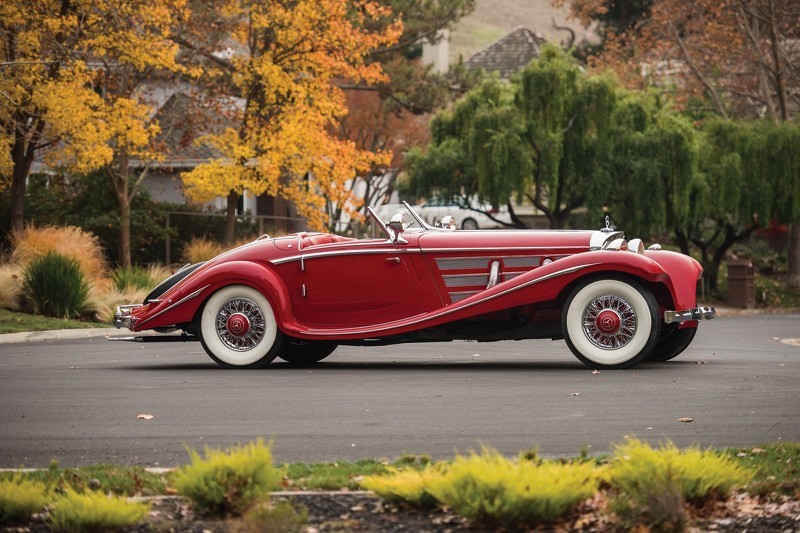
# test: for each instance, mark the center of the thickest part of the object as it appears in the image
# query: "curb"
(65, 334)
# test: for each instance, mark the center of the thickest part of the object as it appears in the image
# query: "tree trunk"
(22, 158)
(17, 215)
(793, 282)
(124, 254)
(230, 217)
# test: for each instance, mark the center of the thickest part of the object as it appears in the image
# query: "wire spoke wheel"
(609, 322)
(238, 328)
(240, 324)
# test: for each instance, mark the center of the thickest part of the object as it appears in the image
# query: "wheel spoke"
(240, 324)
(609, 322)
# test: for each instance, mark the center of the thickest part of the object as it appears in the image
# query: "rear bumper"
(122, 318)
(686, 315)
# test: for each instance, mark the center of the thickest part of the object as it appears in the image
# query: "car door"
(354, 283)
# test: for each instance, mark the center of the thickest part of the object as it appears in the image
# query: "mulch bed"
(342, 512)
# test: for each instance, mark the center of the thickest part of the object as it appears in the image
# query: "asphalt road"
(78, 400)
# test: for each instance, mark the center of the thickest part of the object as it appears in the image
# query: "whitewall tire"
(610, 323)
(238, 328)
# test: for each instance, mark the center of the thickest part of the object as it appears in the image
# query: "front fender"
(683, 272)
(182, 304)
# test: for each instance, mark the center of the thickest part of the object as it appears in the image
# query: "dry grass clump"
(201, 249)
(105, 302)
(10, 286)
(69, 241)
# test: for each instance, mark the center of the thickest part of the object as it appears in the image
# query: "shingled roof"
(509, 54)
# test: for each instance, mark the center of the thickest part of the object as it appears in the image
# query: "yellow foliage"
(285, 144)
(51, 93)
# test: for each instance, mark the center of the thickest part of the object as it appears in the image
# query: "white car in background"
(468, 216)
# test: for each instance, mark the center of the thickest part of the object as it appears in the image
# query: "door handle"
(395, 259)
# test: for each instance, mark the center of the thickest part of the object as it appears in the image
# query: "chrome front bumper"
(696, 313)
(122, 318)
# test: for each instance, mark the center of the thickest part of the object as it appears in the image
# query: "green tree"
(546, 137)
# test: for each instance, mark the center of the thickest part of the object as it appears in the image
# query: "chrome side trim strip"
(173, 306)
(305, 257)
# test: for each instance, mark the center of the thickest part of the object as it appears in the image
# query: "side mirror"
(448, 223)
(397, 227)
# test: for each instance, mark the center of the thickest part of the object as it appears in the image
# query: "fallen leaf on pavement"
(145, 417)
(686, 419)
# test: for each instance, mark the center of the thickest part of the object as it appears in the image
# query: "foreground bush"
(492, 490)
(21, 498)
(228, 483)
(55, 286)
(650, 486)
(94, 511)
(408, 486)
(495, 491)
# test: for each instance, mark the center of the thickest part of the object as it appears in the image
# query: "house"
(509, 54)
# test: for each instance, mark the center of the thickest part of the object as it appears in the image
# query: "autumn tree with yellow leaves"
(70, 88)
(279, 63)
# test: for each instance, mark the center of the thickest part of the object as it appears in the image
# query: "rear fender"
(184, 304)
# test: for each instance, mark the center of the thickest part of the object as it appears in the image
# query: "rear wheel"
(301, 352)
(671, 344)
(610, 323)
(238, 328)
(469, 223)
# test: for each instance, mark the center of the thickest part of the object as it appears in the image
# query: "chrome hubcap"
(609, 322)
(240, 324)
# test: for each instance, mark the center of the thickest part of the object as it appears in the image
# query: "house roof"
(180, 128)
(509, 54)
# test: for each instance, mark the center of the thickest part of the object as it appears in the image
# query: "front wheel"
(300, 352)
(238, 328)
(610, 323)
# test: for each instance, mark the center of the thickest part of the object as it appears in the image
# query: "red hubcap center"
(238, 325)
(608, 322)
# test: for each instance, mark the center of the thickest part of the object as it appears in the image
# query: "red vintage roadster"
(300, 296)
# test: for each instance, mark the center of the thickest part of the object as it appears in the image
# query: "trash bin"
(741, 284)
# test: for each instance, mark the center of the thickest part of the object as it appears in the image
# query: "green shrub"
(280, 517)
(650, 486)
(94, 511)
(135, 277)
(409, 486)
(495, 491)
(55, 286)
(492, 490)
(21, 498)
(228, 483)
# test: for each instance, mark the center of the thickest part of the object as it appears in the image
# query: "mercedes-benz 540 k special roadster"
(300, 296)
